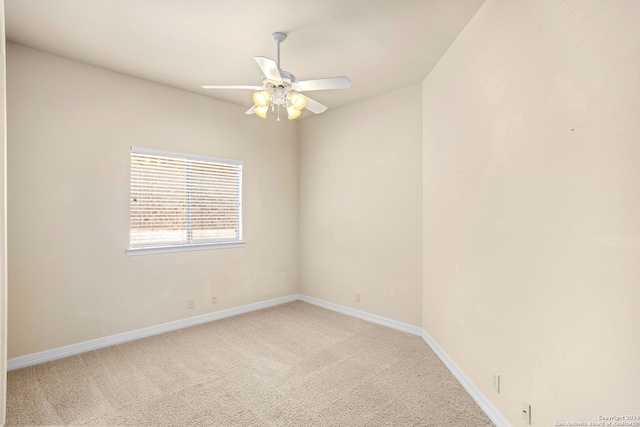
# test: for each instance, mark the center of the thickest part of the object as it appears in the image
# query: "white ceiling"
(381, 45)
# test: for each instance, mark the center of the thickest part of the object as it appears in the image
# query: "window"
(183, 202)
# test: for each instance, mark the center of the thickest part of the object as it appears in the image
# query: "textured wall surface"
(360, 205)
(531, 232)
(70, 129)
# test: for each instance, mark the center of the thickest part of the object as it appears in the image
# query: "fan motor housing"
(285, 87)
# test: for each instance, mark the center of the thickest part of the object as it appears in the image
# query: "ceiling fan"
(280, 88)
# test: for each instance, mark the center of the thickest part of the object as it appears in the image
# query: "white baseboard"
(83, 347)
(71, 350)
(405, 327)
(494, 415)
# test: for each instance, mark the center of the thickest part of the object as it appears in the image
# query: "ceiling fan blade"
(314, 106)
(269, 69)
(250, 110)
(231, 87)
(322, 84)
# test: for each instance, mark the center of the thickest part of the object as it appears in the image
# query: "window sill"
(183, 248)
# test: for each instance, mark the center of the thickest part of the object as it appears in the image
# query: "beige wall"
(70, 127)
(360, 205)
(3, 220)
(531, 201)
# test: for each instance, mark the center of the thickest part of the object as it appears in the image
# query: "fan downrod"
(278, 38)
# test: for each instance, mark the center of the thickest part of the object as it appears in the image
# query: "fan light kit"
(280, 88)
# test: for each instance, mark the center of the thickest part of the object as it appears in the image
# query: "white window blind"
(182, 201)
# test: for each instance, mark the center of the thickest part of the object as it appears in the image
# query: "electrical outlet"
(214, 299)
(496, 382)
(191, 303)
(357, 297)
(526, 412)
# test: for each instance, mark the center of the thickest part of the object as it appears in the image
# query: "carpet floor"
(295, 364)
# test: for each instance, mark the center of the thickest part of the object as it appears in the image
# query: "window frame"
(189, 246)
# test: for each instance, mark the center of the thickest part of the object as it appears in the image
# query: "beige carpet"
(291, 365)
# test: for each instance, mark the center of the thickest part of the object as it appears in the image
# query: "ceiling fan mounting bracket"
(278, 37)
